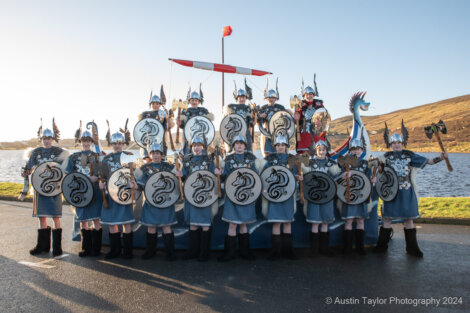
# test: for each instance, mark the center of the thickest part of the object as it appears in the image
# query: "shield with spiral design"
(278, 183)
(200, 188)
(148, 131)
(282, 123)
(119, 187)
(243, 186)
(319, 187)
(77, 189)
(47, 179)
(199, 126)
(360, 188)
(387, 184)
(162, 189)
(231, 126)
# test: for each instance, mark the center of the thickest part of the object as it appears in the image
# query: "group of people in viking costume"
(197, 161)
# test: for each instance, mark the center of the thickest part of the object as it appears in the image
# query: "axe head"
(299, 158)
(441, 126)
(435, 127)
(349, 159)
(428, 130)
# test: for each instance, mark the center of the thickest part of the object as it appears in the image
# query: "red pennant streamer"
(227, 30)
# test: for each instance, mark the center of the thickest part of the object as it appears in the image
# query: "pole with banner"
(227, 31)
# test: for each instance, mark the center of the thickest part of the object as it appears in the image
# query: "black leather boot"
(412, 247)
(150, 246)
(230, 251)
(57, 242)
(384, 238)
(86, 243)
(287, 247)
(244, 247)
(43, 241)
(193, 245)
(169, 241)
(115, 245)
(347, 241)
(275, 247)
(128, 245)
(96, 238)
(360, 241)
(314, 244)
(205, 245)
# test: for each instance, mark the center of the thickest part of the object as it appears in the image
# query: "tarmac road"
(395, 281)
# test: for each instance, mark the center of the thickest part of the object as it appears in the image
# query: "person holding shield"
(152, 216)
(198, 217)
(44, 207)
(237, 214)
(89, 215)
(117, 214)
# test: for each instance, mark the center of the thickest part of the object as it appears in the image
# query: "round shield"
(47, 179)
(77, 189)
(360, 188)
(278, 183)
(148, 130)
(282, 123)
(319, 187)
(119, 187)
(231, 126)
(162, 189)
(199, 126)
(387, 184)
(320, 122)
(200, 188)
(243, 186)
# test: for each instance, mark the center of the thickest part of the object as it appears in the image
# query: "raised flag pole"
(227, 31)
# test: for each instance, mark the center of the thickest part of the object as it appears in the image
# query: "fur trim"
(210, 116)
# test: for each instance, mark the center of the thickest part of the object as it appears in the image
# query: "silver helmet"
(155, 147)
(356, 143)
(158, 99)
(247, 92)
(307, 90)
(395, 138)
(155, 98)
(321, 143)
(281, 139)
(86, 135)
(198, 139)
(47, 133)
(239, 138)
(195, 95)
(271, 93)
(117, 137)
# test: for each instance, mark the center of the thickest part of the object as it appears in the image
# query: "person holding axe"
(154, 217)
(88, 216)
(235, 214)
(116, 214)
(198, 217)
(405, 205)
(351, 213)
(320, 214)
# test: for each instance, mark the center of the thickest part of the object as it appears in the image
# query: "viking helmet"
(356, 143)
(195, 95)
(395, 138)
(403, 137)
(117, 137)
(307, 90)
(155, 98)
(321, 143)
(247, 92)
(158, 99)
(155, 147)
(47, 133)
(198, 139)
(271, 93)
(86, 135)
(239, 138)
(281, 139)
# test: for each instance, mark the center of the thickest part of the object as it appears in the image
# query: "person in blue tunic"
(82, 162)
(154, 217)
(244, 110)
(320, 214)
(405, 205)
(351, 213)
(117, 214)
(44, 207)
(234, 214)
(198, 217)
(280, 213)
(195, 99)
(159, 113)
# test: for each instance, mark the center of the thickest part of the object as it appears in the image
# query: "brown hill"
(455, 112)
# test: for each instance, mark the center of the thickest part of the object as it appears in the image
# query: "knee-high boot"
(412, 247)
(57, 242)
(43, 241)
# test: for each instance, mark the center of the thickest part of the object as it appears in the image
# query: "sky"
(99, 60)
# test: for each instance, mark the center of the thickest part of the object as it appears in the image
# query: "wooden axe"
(297, 160)
(435, 128)
(347, 162)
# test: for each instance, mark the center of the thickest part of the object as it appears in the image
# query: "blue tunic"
(322, 213)
(405, 205)
(152, 216)
(280, 212)
(93, 210)
(349, 211)
(45, 206)
(194, 215)
(115, 214)
(234, 213)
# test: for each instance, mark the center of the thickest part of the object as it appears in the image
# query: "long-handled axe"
(297, 161)
(347, 162)
(178, 105)
(436, 128)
